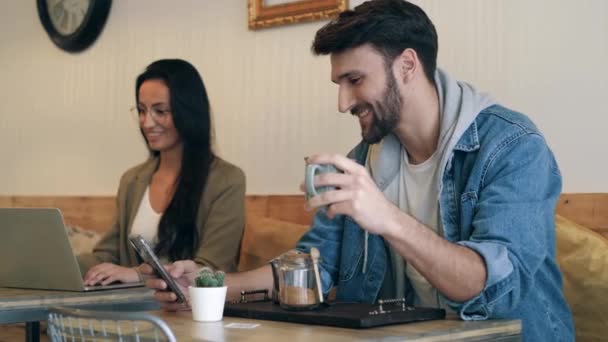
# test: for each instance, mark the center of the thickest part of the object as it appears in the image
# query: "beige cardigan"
(220, 218)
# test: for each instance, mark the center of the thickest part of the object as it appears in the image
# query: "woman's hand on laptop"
(183, 271)
(107, 273)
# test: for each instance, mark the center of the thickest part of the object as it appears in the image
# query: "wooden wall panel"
(289, 208)
(97, 212)
(587, 209)
(90, 212)
(257, 206)
(5, 202)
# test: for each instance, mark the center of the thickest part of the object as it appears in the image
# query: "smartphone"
(147, 254)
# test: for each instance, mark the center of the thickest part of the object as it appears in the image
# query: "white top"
(146, 220)
(418, 197)
(414, 192)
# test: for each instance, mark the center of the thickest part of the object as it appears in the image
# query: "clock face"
(67, 15)
(73, 25)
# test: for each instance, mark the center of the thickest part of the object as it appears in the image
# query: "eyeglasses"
(157, 113)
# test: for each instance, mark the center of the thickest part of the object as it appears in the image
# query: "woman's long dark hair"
(178, 235)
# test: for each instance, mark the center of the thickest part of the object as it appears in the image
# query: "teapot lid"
(295, 257)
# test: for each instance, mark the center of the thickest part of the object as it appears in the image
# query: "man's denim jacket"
(500, 188)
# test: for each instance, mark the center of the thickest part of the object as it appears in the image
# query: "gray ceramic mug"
(309, 179)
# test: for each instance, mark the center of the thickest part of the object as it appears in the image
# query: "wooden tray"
(345, 315)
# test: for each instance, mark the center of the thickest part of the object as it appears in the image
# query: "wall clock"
(73, 25)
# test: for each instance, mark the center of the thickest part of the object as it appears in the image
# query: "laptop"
(35, 252)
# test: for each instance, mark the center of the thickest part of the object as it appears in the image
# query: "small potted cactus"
(208, 278)
(208, 295)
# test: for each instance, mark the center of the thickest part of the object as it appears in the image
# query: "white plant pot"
(207, 303)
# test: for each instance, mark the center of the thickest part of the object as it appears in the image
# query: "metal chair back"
(76, 325)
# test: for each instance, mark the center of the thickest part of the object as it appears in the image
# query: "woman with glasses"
(184, 200)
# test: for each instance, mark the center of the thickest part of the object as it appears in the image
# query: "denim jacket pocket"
(351, 256)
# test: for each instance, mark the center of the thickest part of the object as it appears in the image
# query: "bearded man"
(449, 199)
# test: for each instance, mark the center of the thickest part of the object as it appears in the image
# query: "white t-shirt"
(146, 220)
(418, 197)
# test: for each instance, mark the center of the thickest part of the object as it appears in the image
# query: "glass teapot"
(295, 287)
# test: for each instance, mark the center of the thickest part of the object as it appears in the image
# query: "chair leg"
(32, 332)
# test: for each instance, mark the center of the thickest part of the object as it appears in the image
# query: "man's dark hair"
(390, 26)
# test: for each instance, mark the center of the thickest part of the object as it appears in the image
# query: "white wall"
(65, 126)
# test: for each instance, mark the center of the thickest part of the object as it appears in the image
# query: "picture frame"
(263, 15)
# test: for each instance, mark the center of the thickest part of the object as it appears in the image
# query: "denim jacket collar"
(469, 141)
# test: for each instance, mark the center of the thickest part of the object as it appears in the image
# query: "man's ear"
(408, 64)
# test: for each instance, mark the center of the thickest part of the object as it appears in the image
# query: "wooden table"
(31, 306)
(185, 329)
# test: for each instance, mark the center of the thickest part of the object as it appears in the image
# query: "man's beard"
(386, 112)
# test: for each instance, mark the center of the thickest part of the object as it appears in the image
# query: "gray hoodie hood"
(459, 105)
